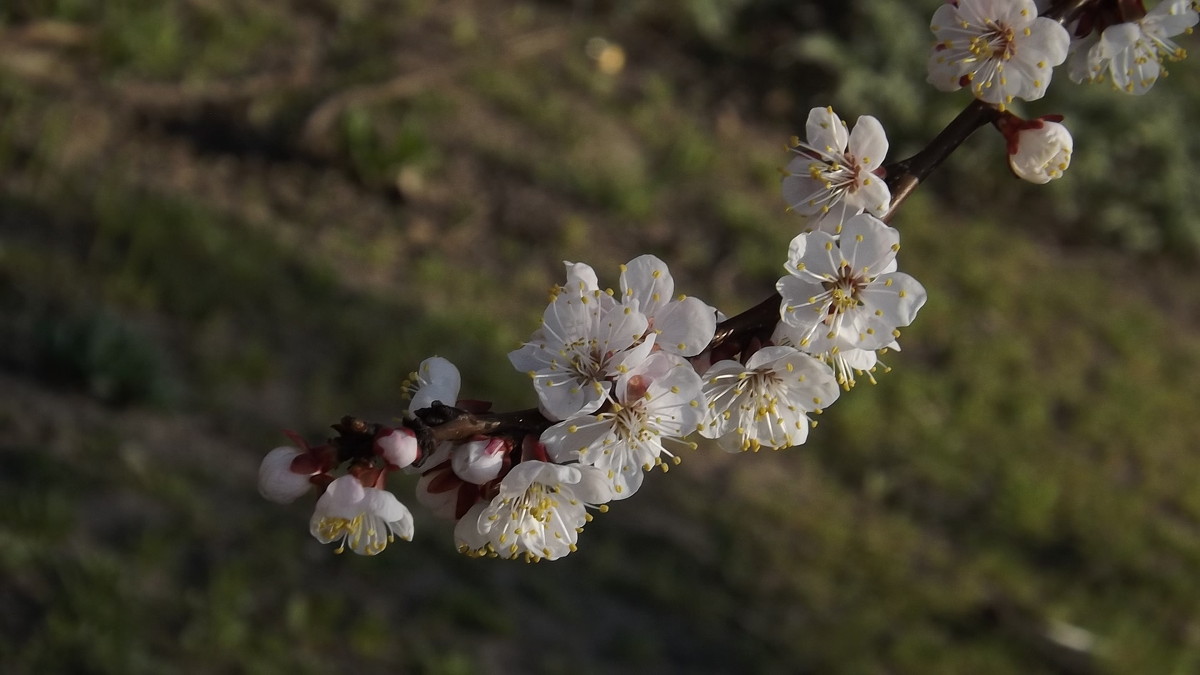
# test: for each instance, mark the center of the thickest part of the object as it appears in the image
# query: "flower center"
(838, 175)
(631, 422)
(588, 361)
(538, 502)
(996, 43)
(844, 290)
(346, 529)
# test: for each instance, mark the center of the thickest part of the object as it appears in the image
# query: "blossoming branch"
(626, 378)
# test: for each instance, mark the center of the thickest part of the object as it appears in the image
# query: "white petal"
(342, 499)
(397, 516)
(563, 395)
(868, 244)
(581, 278)
(593, 486)
(945, 72)
(1081, 67)
(621, 328)
(626, 481)
(632, 357)
(647, 280)
(825, 131)
(900, 302)
(440, 381)
(873, 196)
(796, 310)
(685, 327)
(868, 142)
(811, 254)
(1048, 40)
(573, 439)
(527, 473)
(530, 357)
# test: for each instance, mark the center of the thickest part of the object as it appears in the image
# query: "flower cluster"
(354, 511)
(1130, 52)
(626, 378)
(623, 378)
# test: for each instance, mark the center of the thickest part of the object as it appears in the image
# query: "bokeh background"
(220, 219)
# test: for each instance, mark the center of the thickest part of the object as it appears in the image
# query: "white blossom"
(656, 401)
(585, 340)
(1041, 152)
(1001, 48)
(833, 174)
(538, 513)
(765, 403)
(845, 294)
(1132, 53)
(365, 519)
(682, 325)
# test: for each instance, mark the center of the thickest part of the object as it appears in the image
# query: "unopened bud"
(1040, 152)
(479, 461)
(277, 479)
(398, 447)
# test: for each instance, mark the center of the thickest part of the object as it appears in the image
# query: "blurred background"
(221, 219)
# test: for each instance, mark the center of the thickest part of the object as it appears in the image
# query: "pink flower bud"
(479, 461)
(1040, 152)
(398, 447)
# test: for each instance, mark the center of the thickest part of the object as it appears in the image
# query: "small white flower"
(833, 175)
(1132, 53)
(365, 519)
(436, 379)
(479, 461)
(277, 481)
(1040, 152)
(584, 341)
(765, 403)
(1001, 48)
(682, 325)
(539, 512)
(846, 294)
(656, 401)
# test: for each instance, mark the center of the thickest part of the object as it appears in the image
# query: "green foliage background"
(221, 219)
